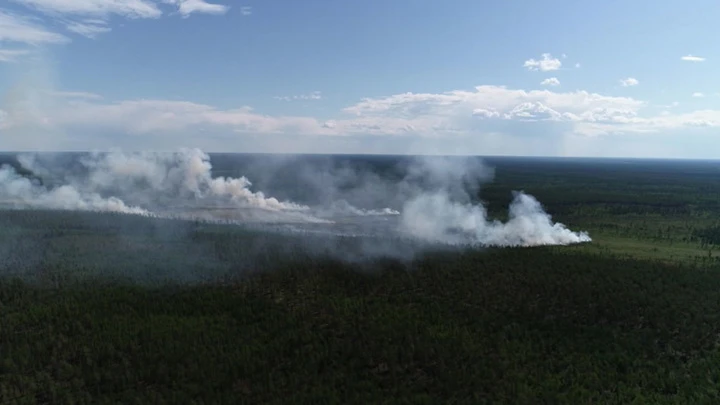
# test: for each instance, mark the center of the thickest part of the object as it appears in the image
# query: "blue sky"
(552, 78)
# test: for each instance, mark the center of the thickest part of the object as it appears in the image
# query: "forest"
(101, 308)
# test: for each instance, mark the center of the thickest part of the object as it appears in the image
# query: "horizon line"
(9, 152)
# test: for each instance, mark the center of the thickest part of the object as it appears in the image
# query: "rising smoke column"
(178, 184)
(437, 197)
(22, 192)
(146, 183)
(444, 212)
(183, 176)
(436, 218)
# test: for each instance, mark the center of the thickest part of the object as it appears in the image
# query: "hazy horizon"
(388, 155)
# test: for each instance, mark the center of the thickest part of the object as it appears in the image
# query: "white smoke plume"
(177, 184)
(446, 213)
(21, 192)
(434, 201)
(436, 218)
(184, 175)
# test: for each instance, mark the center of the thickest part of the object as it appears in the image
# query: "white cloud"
(90, 17)
(698, 94)
(78, 119)
(122, 8)
(315, 95)
(424, 115)
(76, 94)
(577, 65)
(579, 112)
(547, 63)
(691, 58)
(87, 29)
(187, 7)
(96, 8)
(551, 81)
(482, 112)
(494, 98)
(85, 110)
(12, 55)
(630, 81)
(15, 28)
(245, 10)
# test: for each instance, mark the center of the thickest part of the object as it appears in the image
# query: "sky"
(551, 78)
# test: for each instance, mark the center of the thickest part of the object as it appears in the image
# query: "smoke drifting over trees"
(433, 200)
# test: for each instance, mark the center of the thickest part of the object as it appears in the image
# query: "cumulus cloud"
(691, 58)
(478, 116)
(482, 112)
(628, 82)
(698, 94)
(550, 81)
(492, 98)
(545, 64)
(578, 112)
